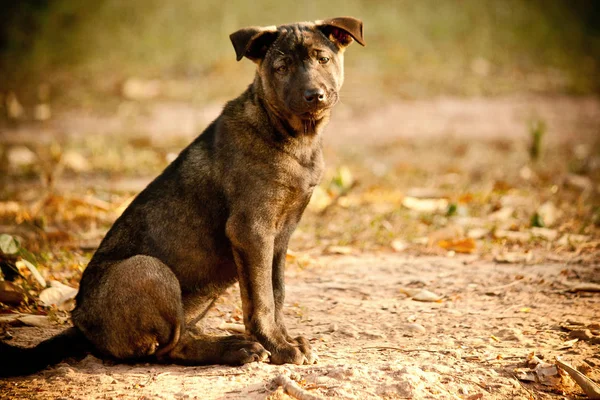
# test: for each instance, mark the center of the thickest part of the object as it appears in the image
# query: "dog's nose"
(314, 95)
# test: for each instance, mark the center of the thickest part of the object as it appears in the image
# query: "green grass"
(415, 48)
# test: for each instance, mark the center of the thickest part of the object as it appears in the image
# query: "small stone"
(333, 327)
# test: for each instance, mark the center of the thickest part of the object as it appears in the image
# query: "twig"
(292, 389)
(399, 349)
(504, 286)
(589, 387)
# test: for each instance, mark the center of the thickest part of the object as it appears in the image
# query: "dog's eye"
(323, 60)
(282, 69)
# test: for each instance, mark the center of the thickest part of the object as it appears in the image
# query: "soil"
(476, 341)
(372, 340)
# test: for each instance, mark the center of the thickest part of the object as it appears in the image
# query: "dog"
(222, 211)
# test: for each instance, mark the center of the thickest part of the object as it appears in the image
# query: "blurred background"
(464, 126)
(415, 49)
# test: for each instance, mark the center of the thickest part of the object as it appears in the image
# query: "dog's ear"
(253, 42)
(342, 30)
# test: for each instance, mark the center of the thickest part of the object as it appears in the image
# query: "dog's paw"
(242, 352)
(310, 357)
(288, 355)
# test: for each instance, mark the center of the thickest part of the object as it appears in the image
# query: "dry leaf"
(399, 245)
(478, 233)
(425, 205)
(544, 233)
(466, 246)
(22, 264)
(513, 258)
(525, 375)
(11, 294)
(421, 295)
(58, 295)
(591, 388)
(502, 214)
(339, 250)
(521, 237)
(568, 344)
(447, 233)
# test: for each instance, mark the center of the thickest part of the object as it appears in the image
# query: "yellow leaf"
(459, 245)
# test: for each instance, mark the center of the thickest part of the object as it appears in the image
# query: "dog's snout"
(314, 95)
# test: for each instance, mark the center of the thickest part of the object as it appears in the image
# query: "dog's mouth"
(314, 114)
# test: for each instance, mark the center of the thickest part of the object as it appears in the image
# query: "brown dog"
(222, 212)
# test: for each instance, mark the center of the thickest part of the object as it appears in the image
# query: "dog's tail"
(16, 361)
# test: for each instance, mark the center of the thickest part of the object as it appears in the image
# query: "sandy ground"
(373, 341)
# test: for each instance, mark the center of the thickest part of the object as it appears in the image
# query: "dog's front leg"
(253, 249)
(279, 256)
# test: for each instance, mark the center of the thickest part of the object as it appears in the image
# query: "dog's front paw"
(288, 354)
(306, 349)
(300, 352)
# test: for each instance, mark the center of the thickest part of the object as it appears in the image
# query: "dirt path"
(373, 341)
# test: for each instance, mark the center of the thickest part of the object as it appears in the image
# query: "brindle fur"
(222, 212)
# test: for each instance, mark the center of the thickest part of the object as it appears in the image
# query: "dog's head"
(300, 66)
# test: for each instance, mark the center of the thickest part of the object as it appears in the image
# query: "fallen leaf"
(578, 182)
(8, 244)
(447, 233)
(339, 250)
(478, 233)
(476, 396)
(591, 388)
(11, 294)
(572, 239)
(544, 233)
(425, 205)
(421, 295)
(466, 246)
(58, 295)
(525, 375)
(399, 245)
(568, 344)
(502, 214)
(583, 287)
(514, 236)
(513, 258)
(548, 213)
(34, 272)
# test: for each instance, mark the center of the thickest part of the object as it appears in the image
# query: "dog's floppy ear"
(342, 30)
(253, 42)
